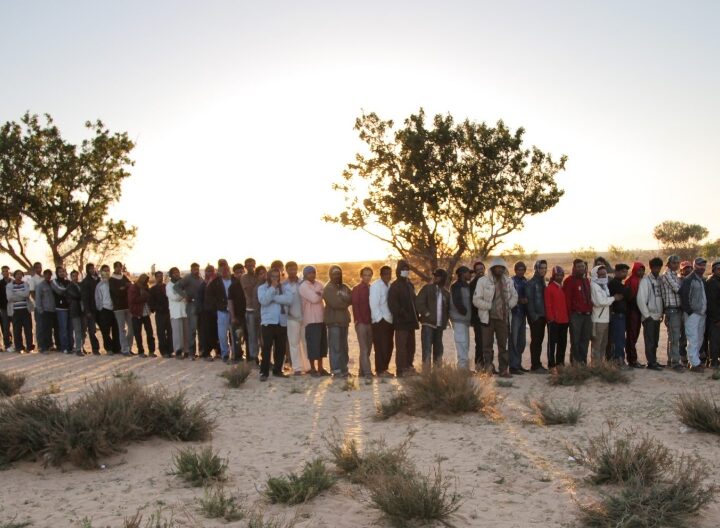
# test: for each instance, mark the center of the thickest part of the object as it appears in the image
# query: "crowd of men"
(258, 314)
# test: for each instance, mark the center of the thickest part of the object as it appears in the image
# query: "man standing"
(694, 304)
(90, 310)
(712, 287)
(237, 306)
(558, 318)
(273, 318)
(20, 302)
(495, 297)
(311, 293)
(601, 300)
(686, 268)
(382, 327)
(460, 302)
(338, 298)
(634, 319)
(478, 273)
(433, 304)
(138, 299)
(62, 308)
(669, 290)
(296, 333)
(45, 312)
(74, 297)
(579, 303)
(249, 282)
(535, 291)
(4, 318)
(119, 284)
(217, 296)
(362, 316)
(178, 316)
(159, 305)
(106, 315)
(35, 278)
(518, 320)
(189, 288)
(401, 300)
(650, 304)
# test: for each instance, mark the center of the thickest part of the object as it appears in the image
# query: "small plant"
(10, 384)
(128, 375)
(396, 404)
(237, 375)
(548, 413)
(577, 374)
(199, 468)
(12, 523)
(618, 458)
(504, 383)
(295, 489)
(257, 519)
(699, 412)
(85, 522)
(53, 388)
(609, 372)
(216, 504)
(348, 385)
(410, 497)
(156, 520)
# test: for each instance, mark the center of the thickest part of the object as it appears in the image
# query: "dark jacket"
(616, 286)
(137, 297)
(87, 294)
(236, 293)
(59, 288)
(712, 291)
(189, 287)
(401, 301)
(692, 291)
(119, 292)
(215, 295)
(74, 297)
(158, 301)
(3, 293)
(474, 319)
(535, 292)
(426, 305)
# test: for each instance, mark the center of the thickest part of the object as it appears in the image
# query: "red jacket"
(577, 294)
(137, 297)
(361, 303)
(555, 305)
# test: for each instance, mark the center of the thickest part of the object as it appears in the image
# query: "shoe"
(699, 369)
(324, 372)
(152, 355)
(516, 371)
(65, 351)
(80, 353)
(385, 374)
(263, 377)
(298, 373)
(209, 359)
(141, 354)
(524, 369)
(539, 370)
(95, 352)
(10, 349)
(127, 354)
(678, 368)
(280, 375)
(314, 373)
(654, 366)
(637, 365)
(505, 374)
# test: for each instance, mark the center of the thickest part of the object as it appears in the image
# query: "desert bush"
(12, 523)
(609, 372)
(156, 520)
(26, 425)
(699, 411)
(671, 500)
(549, 413)
(217, 505)
(576, 374)
(621, 457)
(237, 375)
(199, 468)
(293, 489)
(441, 390)
(257, 519)
(410, 497)
(10, 384)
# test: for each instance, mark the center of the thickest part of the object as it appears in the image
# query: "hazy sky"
(243, 111)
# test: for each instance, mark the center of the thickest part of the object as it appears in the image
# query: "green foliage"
(699, 411)
(61, 190)
(549, 413)
(711, 250)
(418, 188)
(237, 375)
(620, 254)
(10, 384)
(680, 238)
(587, 254)
(518, 253)
(217, 505)
(199, 468)
(575, 374)
(294, 489)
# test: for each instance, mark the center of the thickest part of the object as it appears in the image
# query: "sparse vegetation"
(10, 384)
(578, 374)
(257, 519)
(156, 520)
(199, 468)
(699, 411)
(12, 523)
(217, 505)
(237, 375)
(549, 413)
(294, 489)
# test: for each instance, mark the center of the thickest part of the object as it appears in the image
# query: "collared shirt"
(669, 287)
(295, 309)
(379, 308)
(361, 304)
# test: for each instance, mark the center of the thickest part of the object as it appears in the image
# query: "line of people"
(265, 315)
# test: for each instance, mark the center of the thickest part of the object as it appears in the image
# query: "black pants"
(164, 333)
(109, 330)
(274, 338)
(382, 334)
(537, 336)
(209, 336)
(44, 327)
(404, 350)
(22, 323)
(557, 343)
(714, 328)
(651, 336)
(580, 335)
(479, 358)
(138, 324)
(90, 326)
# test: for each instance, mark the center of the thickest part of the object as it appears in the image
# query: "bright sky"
(243, 111)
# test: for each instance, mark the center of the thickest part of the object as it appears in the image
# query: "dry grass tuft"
(10, 384)
(699, 411)
(549, 413)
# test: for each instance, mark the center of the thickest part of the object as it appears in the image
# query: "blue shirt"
(274, 302)
(520, 283)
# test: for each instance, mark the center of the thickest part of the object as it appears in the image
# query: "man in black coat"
(401, 301)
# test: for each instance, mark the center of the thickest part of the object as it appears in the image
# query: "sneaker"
(263, 377)
(10, 349)
(539, 370)
(516, 371)
(699, 369)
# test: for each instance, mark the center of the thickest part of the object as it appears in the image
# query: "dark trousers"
(138, 324)
(274, 339)
(431, 344)
(404, 350)
(44, 328)
(580, 335)
(714, 342)
(5, 326)
(618, 326)
(557, 343)
(479, 359)
(537, 336)
(382, 334)
(89, 326)
(316, 341)
(164, 333)
(109, 330)
(22, 323)
(651, 336)
(632, 334)
(209, 337)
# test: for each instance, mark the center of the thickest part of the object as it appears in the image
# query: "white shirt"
(379, 308)
(102, 296)
(176, 302)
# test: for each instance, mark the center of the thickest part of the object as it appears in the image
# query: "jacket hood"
(635, 267)
(401, 263)
(498, 261)
(594, 272)
(335, 268)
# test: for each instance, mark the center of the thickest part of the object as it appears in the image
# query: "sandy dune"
(511, 474)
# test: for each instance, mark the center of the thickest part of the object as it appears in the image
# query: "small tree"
(61, 190)
(439, 194)
(518, 252)
(711, 250)
(680, 238)
(619, 254)
(587, 254)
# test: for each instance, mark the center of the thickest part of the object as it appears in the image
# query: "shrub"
(548, 413)
(396, 404)
(10, 384)
(199, 468)
(26, 425)
(699, 412)
(669, 501)
(215, 505)
(12, 523)
(576, 374)
(156, 520)
(609, 373)
(411, 497)
(237, 375)
(257, 519)
(294, 489)
(621, 458)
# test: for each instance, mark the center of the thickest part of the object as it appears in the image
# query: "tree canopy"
(442, 193)
(60, 190)
(680, 238)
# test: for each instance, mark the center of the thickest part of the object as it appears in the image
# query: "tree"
(437, 195)
(518, 253)
(619, 254)
(711, 250)
(586, 254)
(680, 238)
(60, 190)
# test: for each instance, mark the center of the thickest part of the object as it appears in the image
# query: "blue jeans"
(674, 323)
(461, 333)
(64, 329)
(517, 340)
(338, 343)
(695, 332)
(618, 323)
(223, 326)
(251, 336)
(431, 344)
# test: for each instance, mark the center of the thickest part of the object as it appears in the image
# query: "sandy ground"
(510, 473)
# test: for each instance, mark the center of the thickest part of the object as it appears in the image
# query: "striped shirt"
(21, 290)
(669, 288)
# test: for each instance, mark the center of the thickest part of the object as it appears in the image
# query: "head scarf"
(307, 270)
(634, 281)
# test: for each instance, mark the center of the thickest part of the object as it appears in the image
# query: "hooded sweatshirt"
(401, 300)
(601, 297)
(119, 291)
(535, 291)
(337, 299)
(633, 283)
(649, 297)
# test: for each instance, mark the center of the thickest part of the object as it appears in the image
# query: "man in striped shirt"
(18, 294)
(669, 288)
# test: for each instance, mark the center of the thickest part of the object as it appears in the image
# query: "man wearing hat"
(432, 305)
(712, 290)
(460, 315)
(495, 297)
(694, 304)
(669, 290)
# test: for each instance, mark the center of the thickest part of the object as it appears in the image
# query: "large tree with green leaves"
(60, 190)
(441, 193)
(680, 238)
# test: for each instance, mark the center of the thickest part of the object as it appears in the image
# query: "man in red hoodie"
(556, 313)
(579, 304)
(633, 315)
